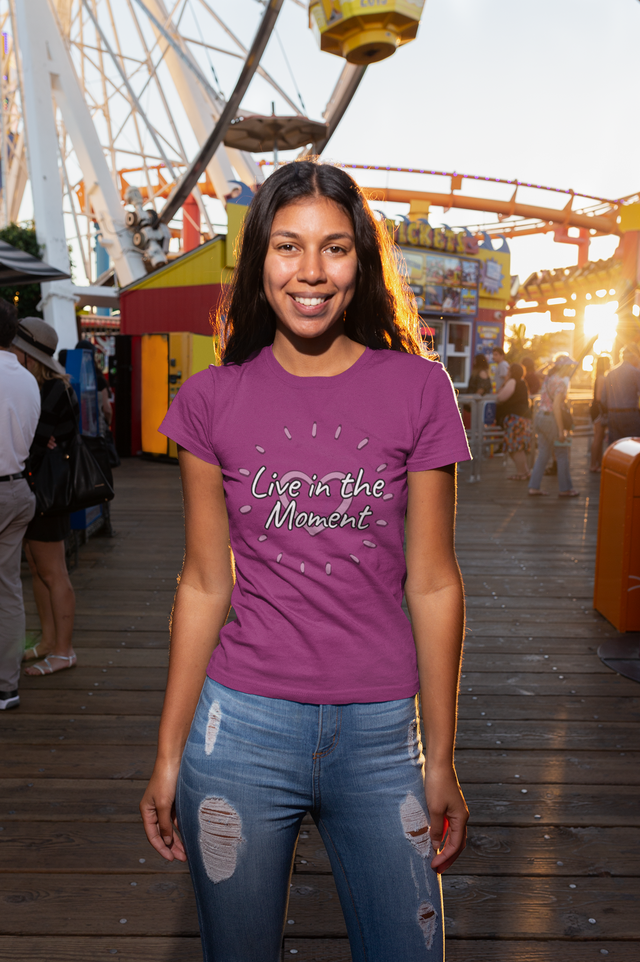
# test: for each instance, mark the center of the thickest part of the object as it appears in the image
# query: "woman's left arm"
(435, 598)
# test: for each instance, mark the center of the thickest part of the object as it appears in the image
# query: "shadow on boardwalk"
(547, 753)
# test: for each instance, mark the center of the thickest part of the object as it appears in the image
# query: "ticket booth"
(461, 287)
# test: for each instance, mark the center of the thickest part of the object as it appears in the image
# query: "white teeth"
(310, 301)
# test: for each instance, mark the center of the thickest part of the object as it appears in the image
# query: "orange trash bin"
(617, 584)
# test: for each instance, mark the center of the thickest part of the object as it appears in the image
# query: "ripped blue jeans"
(253, 767)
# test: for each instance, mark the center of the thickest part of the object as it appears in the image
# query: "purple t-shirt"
(315, 481)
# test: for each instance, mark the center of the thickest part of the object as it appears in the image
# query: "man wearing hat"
(19, 414)
(621, 394)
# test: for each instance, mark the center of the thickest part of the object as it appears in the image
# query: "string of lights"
(453, 174)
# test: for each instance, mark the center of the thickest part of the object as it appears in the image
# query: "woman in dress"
(513, 414)
(598, 413)
(550, 429)
(301, 457)
(44, 540)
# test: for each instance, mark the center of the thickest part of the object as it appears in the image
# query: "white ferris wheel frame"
(52, 121)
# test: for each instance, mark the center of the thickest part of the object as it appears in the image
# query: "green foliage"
(541, 347)
(24, 238)
(518, 345)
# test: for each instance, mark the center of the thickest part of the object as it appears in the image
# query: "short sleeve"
(189, 420)
(440, 437)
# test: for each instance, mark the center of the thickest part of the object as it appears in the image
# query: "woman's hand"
(158, 812)
(449, 815)
(51, 443)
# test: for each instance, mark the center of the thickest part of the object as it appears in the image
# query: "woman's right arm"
(200, 610)
(558, 403)
(506, 390)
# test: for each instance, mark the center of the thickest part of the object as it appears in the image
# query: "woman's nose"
(311, 269)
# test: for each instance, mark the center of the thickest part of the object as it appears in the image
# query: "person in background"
(513, 414)
(550, 430)
(479, 383)
(531, 376)
(621, 393)
(105, 410)
(480, 380)
(502, 369)
(597, 412)
(35, 344)
(19, 413)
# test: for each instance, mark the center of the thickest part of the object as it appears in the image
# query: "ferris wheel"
(116, 104)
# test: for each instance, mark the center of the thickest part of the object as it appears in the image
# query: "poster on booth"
(443, 284)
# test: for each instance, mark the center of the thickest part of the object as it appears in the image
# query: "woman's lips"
(310, 305)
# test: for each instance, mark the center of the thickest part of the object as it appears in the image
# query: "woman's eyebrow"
(330, 237)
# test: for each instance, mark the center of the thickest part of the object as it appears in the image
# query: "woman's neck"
(317, 357)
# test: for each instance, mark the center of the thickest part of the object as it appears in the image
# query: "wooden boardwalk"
(548, 754)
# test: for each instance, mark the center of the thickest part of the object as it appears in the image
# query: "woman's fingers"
(449, 816)
(454, 845)
(437, 829)
(159, 827)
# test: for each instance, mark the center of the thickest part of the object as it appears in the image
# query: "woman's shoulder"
(215, 375)
(415, 367)
(215, 380)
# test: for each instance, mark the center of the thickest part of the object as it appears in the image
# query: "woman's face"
(311, 265)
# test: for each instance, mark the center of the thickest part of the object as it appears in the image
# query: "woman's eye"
(286, 247)
(334, 249)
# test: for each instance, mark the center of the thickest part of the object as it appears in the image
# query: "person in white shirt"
(502, 368)
(19, 414)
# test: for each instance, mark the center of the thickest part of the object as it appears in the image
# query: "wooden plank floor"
(548, 753)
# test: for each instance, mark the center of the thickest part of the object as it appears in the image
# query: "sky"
(543, 92)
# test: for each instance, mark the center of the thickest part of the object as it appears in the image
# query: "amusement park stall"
(461, 288)
(166, 336)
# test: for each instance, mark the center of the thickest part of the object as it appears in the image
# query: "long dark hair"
(382, 312)
(480, 363)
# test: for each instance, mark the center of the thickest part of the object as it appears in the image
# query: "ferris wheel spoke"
(179, 51)
(259, 70)
(153, 75)
(182, 190)
(135, 103)
(343, 92)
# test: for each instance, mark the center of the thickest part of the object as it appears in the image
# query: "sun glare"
(601, 319)
(541, 323)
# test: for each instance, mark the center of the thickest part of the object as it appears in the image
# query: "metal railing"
(484, 433)
(480, 433)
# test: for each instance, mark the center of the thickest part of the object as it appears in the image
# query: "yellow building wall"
(495, 301)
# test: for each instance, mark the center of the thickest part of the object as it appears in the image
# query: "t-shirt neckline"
(295, 380)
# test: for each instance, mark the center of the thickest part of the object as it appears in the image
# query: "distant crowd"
(615, 410)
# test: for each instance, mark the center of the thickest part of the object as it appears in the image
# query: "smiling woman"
(342, 245)
(322, 440)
